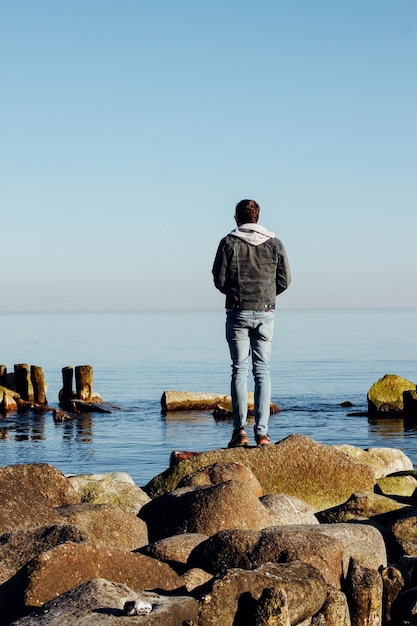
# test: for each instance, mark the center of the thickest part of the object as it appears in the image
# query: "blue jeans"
(249, 333)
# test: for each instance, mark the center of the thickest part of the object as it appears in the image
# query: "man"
(251, 269)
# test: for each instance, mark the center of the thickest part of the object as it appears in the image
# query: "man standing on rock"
(251, 269)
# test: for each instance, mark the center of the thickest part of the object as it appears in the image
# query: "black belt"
(237, 307)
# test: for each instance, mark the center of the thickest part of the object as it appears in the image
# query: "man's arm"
(219, 270)
(283, 276)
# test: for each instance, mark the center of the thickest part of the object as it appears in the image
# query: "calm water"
(320, 359)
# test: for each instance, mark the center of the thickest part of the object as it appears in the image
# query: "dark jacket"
(251, 268)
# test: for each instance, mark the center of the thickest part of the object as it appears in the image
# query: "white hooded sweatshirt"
(255, 234)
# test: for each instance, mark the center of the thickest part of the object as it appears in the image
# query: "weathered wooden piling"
(84, 382)
(66, 394)
(23, 383)
(38, 383)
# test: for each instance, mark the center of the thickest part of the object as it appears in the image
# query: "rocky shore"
(293, 534)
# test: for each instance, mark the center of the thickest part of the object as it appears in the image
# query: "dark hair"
(247, 212)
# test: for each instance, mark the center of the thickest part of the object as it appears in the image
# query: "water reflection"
(392, 426)
(28, 426)
(79, 429)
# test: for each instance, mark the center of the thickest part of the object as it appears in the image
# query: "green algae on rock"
(386, 395)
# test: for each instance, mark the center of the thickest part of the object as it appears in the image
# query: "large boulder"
(71, 564)
(114, 488)
(398, 485)
(386, 395)
(405, 534)
(361, 542)
(174, 550)
(99, 602)
(287, 510)
(298, 466)
(45, 480)
(204, 510)
(107, 525)
(383, 461)
(23, 507)
(363, 505)
(232, 599)
(276, 544)
(221, 473)
(20, 546)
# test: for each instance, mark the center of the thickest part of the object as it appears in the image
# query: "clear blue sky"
(130, 129)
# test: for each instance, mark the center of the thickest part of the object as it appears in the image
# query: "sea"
(321, 359)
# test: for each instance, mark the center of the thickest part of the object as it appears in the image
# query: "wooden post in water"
(38, 382)
(66, 394)
(84, 382)
(23, 383)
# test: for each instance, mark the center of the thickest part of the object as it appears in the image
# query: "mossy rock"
(403, 486)
(386, 395)
(320, 475)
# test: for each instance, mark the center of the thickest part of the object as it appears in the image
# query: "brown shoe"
(239, 438)
(262, 440)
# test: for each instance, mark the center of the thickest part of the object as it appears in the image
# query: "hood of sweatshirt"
(255, 234)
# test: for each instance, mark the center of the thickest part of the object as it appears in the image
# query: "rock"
(410, 404)
(382, 461)
(232, 599)
(272, 608)
(365, 505)
(107, 525)
(115, 488)
(71, 564)
(335, 610)
(364, 594)
(45, 480)
(195, 577)
(396, 485)
(386, 395)
(23, 507)
(205, 510)
(174, 550)
(245, 549)
(20, 546)
(180, 455)
(220, 473)
(172, 400)
(361, 542)
(393, 583)
(8, 400)
(287, 510)
(99, 602)
(320, 475)
(405, 534)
